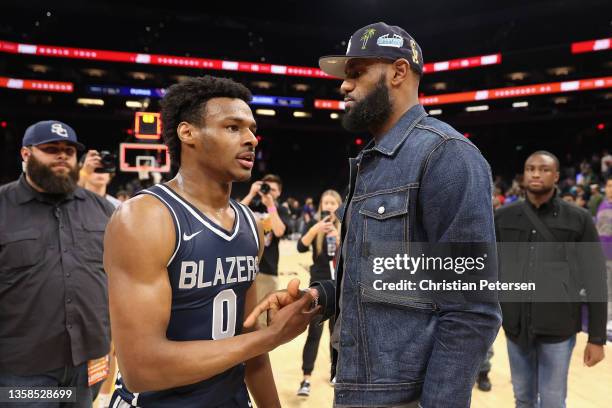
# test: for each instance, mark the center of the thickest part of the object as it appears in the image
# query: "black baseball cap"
(378, 40)
(48, 131)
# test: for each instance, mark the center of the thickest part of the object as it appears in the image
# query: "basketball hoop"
(144, 165)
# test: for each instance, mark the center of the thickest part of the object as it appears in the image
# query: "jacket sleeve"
(591, 262)
(456, 206)
(327, 297)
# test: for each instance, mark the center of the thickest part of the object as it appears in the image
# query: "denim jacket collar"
(394, 138)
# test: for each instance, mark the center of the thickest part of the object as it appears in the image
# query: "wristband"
(271, 210)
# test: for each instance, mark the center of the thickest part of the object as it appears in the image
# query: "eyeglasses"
(54, 150)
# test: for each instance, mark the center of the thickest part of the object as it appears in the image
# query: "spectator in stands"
(308, 210)
(53, 289)
(568, 197)
(496, 203)
(123, 195)
(296, 215)
(581, 201)
(604, 228)
(513, 194)
(595, 199)
(500, 196)
(323, 237)
(586, 177)
(606, 164)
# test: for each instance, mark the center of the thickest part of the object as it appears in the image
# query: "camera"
(265, 188)
(108, 161)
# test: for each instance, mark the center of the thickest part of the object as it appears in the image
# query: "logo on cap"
(415, 52)
(367, 34)
(59, 130)
(384, 41)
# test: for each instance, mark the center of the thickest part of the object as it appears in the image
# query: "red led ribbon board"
(155, 59)
(519, 91)
(462, 63)
(36, 85)
(497, 93)
(204, 63)
(147, 125)
(591, 46)
(328, 104)
(135, 157)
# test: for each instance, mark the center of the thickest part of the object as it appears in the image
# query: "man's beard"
(372, 111)
(44, 177)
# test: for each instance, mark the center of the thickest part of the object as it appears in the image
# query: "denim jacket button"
(381, 210)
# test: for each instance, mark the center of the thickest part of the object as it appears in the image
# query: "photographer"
(97, 171)
(323, 236)
(53, 288)
(263, 200)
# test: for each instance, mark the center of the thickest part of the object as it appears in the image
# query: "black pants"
(311, 348)
(75, 377)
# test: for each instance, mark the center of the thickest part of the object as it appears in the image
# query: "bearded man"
(53, 289)
(419, 182)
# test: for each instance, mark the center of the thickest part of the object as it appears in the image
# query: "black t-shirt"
(269, 261)
(320, 268)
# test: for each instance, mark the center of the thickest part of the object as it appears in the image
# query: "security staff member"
(53, 289)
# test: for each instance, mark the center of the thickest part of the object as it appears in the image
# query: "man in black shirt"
(53, 289)
(554, 244)
(274, 219)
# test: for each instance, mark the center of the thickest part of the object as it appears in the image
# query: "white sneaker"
(304, 390)
(333, 382)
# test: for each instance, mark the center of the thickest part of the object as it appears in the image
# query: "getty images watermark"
(472, 266)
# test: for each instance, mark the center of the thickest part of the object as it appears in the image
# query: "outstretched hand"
(275, 301)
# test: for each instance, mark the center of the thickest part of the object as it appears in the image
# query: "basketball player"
(181, 259)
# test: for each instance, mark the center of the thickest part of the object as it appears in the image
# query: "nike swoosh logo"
(188, 237)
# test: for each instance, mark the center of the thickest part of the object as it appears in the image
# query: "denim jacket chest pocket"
(385, 221)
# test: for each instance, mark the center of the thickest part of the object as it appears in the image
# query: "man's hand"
(267, 200)
(593, 354)
(255, 187)
(275, 301)
(92, 162)
(291, 320)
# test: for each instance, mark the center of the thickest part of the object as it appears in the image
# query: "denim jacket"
(422, 182)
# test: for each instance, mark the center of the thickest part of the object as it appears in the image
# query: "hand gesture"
(92, 161)
(275, 301)
(267, 200)
(324, 226)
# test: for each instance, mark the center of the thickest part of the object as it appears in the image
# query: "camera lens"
(107, 159)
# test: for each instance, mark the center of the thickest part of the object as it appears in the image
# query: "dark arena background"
(515, 45)
(512, 76)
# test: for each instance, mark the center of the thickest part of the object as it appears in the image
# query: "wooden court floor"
(587, 387)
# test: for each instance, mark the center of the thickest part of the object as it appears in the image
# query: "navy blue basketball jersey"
(210, 272)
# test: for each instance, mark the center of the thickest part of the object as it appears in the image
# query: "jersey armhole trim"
(251, 219)
(175, 220)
